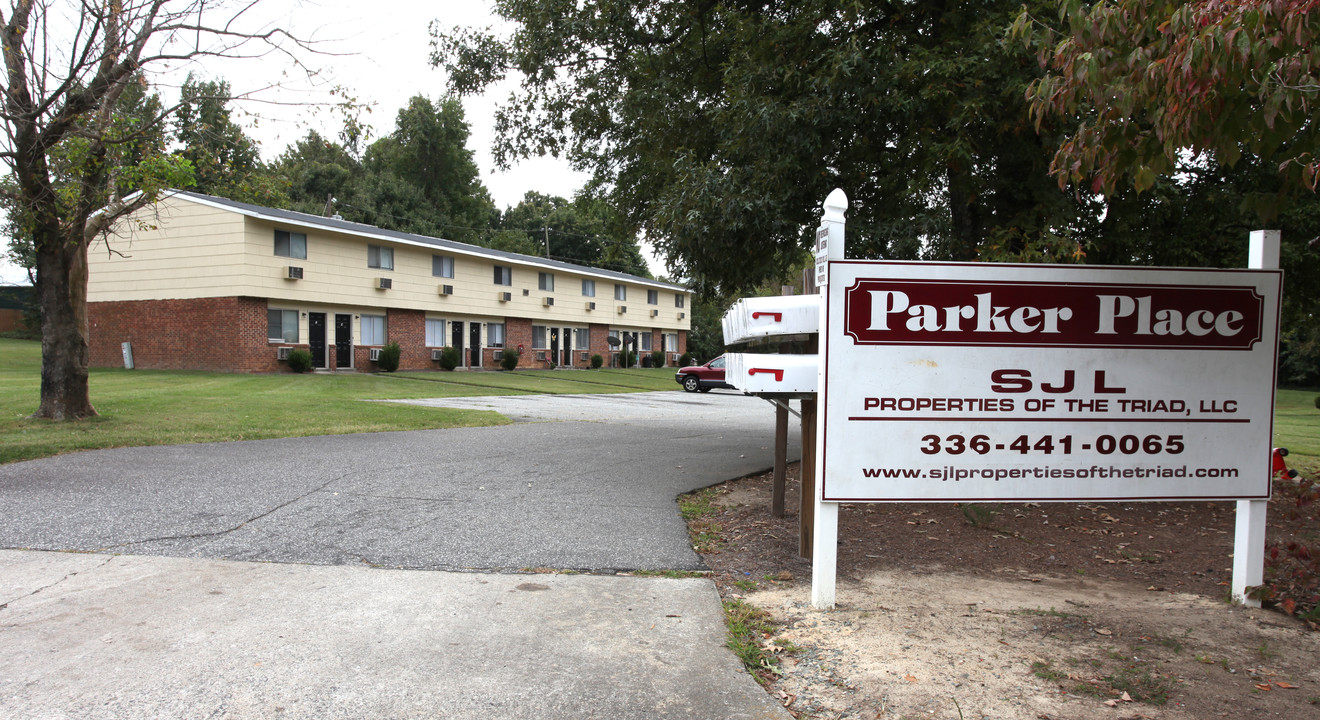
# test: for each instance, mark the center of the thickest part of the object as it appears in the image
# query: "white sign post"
(1249, 538)
(825, 529)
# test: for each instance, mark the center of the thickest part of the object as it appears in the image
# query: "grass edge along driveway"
(170, 407)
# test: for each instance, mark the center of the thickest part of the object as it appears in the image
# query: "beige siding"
(175, 250)
(202, 251)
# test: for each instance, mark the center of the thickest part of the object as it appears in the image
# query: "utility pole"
(546, 230)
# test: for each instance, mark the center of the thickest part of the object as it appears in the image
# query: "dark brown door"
(343, 340)
(456, 339)
(316, 338)
(474, 344)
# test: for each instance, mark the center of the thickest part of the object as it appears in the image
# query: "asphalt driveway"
(151, 615)
(583, 482)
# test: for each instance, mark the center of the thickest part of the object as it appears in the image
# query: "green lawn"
(159, 407)
(1297, 427)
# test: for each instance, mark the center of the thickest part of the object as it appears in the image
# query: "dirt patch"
(1017, 611)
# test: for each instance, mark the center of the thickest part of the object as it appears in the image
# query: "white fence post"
(1249, 539)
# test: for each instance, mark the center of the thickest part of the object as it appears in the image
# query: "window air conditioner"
(384, 283)
(505, 296)
(655, 313)
(375, 354)
(446, 289)
(586, 356)
(540, 355)
(548, 302)
(294, 273)
(435, 354)
(283, 353)
(622, 309)
(499, 354)
(591, 306)
(682, 315)
(526, 292)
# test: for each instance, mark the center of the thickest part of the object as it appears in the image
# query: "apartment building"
(200, 282)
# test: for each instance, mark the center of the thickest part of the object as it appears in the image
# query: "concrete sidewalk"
(101, 636)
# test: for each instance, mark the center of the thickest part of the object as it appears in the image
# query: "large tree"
(422, 177)
(1142, 83)
(718, 128)
(67, 66)
(585, 230)
(226, 162)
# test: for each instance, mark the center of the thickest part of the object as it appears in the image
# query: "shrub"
(300, 360)
(389, 357)
(1317, 402)
(626, 358)
(449, 358)
(597, 361)
(658, 358)
(509, 359)
(685, 359)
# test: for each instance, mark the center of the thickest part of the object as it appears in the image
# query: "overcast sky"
(378, 51)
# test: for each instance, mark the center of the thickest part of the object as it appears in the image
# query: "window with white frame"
(503, 275)
(646, 342)
(671, 342)
(380, 257)
(435, 332)
(620, 292)
(652, 297)
(582, 338)
(545, 281)
(282, 325)
(538, 337)
(373, 329)
(495, 335)
(442, 266)
(290, 244)
(588, 288)
(678, 300)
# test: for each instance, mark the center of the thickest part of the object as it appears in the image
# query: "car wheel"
(706, 389)
(691, 384)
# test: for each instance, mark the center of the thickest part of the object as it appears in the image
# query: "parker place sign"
(1013, 382)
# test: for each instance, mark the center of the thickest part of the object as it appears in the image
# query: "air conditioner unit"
(622, 309)
(283, 353)
(499, 354)
(682, 315)
(586, 356)
(548, 302)
(505, 296)
(294, 273)
(375, 354)
(384, 283)
(526, 292)
(655, 313)
(435, 354)
(591, 306)
(446, 289)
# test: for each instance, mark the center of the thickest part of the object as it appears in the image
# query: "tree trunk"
(65, 351)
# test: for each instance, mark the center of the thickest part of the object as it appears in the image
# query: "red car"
(703, 378)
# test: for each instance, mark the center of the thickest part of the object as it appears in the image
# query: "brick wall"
(408, 329)
(10, 319)
(226, 334)
(518, 331)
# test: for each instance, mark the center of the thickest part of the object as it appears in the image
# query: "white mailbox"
(761, 317)
(771, 374)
